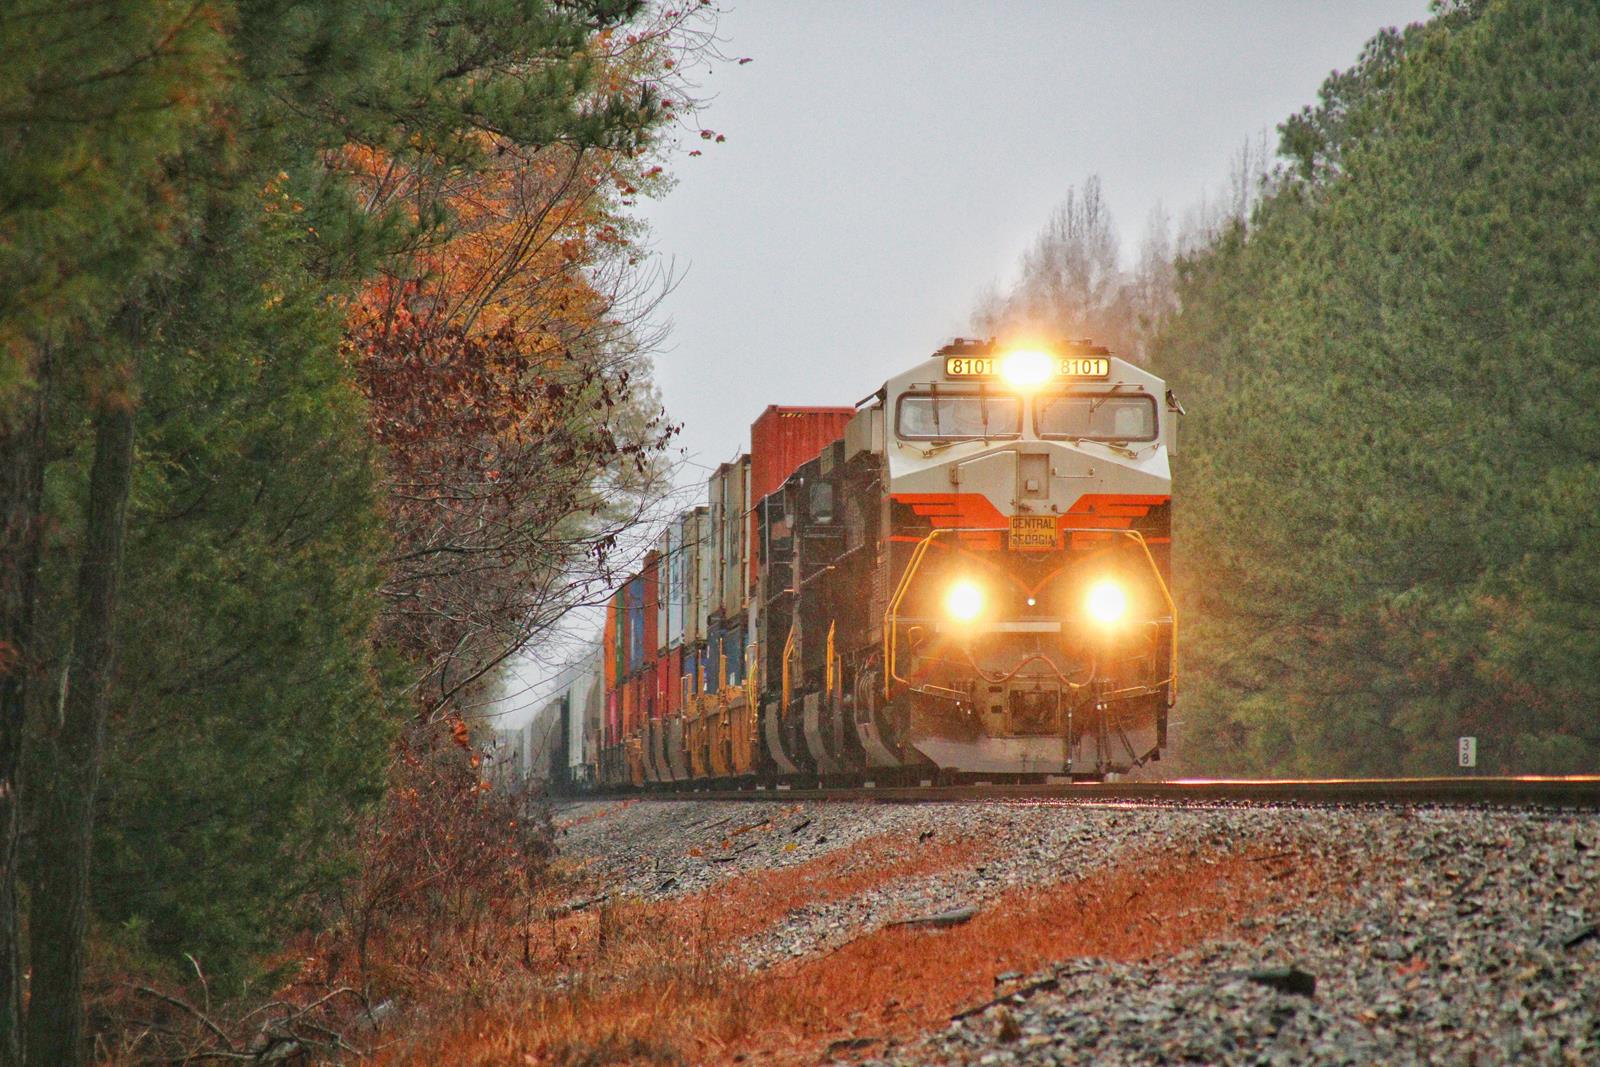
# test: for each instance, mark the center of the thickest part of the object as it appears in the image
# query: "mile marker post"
(1467, 752)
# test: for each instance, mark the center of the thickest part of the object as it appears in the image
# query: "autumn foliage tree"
(509, 472)
(504, 359)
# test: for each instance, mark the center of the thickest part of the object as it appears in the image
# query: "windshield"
(1098, 416)
(953, 416)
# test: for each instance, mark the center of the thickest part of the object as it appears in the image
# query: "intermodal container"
(630, 693)
(692, 523)
(781, 439)
(677, 579)
(667, 682)
(663, 584)
(608, 645)
(732, 641)
(633, 598)
(625, 631)
(577, 704)
(707, 570)
(713, 658)
(650, 576)
(732, 482)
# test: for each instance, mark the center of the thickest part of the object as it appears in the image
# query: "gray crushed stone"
(1465, 943)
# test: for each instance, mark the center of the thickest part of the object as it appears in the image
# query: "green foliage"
(93, 97)
(1390, 476)
(191, 232)
(247, 728)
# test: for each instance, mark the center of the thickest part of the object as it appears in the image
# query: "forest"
(325, 390)
(1386, 337)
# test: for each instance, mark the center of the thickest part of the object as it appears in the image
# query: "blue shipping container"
(733, 648)
(635, 602)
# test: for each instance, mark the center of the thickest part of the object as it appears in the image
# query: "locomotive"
(966, 575)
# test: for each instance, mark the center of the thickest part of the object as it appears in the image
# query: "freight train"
(966, 575)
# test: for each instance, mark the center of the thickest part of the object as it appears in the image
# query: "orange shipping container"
(608, 655)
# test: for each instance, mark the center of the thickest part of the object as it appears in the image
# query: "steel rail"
(1570, 792)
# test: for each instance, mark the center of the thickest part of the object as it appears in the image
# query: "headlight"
(1026, 368)
(964, 601)
(1107, 603)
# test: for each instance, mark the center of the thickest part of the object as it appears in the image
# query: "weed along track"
(803, 932)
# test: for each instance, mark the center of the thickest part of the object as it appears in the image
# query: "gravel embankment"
(1468, 938)
(1467, 945)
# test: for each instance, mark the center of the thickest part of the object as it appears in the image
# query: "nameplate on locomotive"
(1033, 532)
(1061, 367)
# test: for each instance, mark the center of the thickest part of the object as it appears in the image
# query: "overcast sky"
(884, 162)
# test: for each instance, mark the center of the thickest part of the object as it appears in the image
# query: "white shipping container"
(677, 598)
(711, 563)
(546, 734)
(580, 692)
(694, 527)
(664, 550)
(735, 531)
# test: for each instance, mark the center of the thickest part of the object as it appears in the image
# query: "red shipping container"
(650, 580)
(781, 439)
(669, 683)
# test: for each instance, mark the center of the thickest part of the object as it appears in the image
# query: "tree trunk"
(69, 765)
(22, 451)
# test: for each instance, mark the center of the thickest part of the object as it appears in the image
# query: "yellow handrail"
(788, 650)
(890, 631)
(831, 624)
(1172, 608)
(751, 658)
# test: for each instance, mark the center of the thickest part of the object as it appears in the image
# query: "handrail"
(1172, 609)
(751, 659)
(890, 631)
(831, 624)
(788, 650)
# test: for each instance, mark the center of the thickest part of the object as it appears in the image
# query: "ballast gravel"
(1469, 938)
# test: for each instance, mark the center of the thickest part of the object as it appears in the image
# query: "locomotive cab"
(1027, 623)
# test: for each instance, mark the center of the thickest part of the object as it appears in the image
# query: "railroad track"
(1571, 792)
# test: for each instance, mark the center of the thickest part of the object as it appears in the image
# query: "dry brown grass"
(651, 983)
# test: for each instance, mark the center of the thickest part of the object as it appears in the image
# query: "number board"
(990, 367)
(1033, 532)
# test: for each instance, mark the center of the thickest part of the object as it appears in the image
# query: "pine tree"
(185, 250)
(1389, 472)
